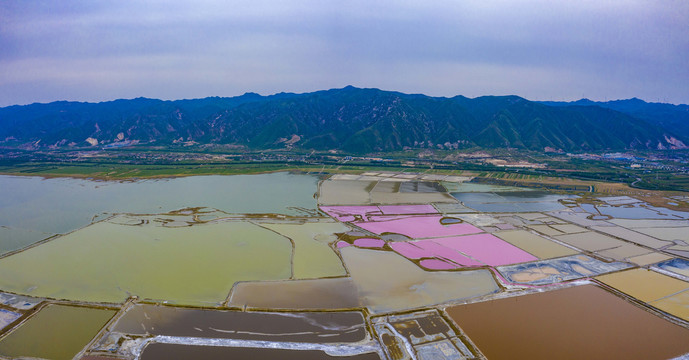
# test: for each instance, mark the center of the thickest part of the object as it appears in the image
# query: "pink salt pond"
(430, 249)
(411, 250)
(470, 250)
(369, 243)
(487, 249)
(444, 253)
(341, 244)
(417, 226)
(407, 209)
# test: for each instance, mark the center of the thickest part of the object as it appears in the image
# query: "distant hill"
(349, 119)
(674, 118)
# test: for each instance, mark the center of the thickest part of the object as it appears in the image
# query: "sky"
(94, 50)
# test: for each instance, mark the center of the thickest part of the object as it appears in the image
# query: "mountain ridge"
(348, 119)
(668, 116)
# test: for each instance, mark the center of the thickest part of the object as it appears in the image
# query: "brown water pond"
(582, 322)
(334, 293)
(185, 352)
(297, 327)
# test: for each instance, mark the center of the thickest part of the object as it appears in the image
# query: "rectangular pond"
(425, 334)
(332, 293)
(534, 244)
(313, 258)
(55, 332)
(313, 327)
(184, 352)
(512, 201)
(418, 226)
(467, 250)
(552, 271)
(581, 322)
(645, 285)
(676, 266)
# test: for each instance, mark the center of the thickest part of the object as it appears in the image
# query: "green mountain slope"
(349, 119)
(674, 118)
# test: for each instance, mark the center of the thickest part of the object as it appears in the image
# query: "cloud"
(98, 50)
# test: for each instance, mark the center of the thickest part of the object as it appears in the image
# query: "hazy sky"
(90, 50)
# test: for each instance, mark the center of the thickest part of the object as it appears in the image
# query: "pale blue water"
(636, 211)
(516, 201)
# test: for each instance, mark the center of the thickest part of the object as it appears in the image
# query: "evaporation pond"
(469, 187)
(643, 284)
(33, 208)
(386, 281)
(315, 327)
(581, 322)
(7, 317)
(313, 258)
(417, 226)
(513, 201)
(183, 352)
(636, 211)
(55, 332)
(345, 192)
(108, 262)
(328, 293)
(534, 244)
(677, 266)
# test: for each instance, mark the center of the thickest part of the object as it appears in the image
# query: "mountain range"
(350, 119)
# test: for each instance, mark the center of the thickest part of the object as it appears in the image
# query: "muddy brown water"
(582, 322)
(175, 351)
(297, 327)
(335, 293)
(423, 329)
